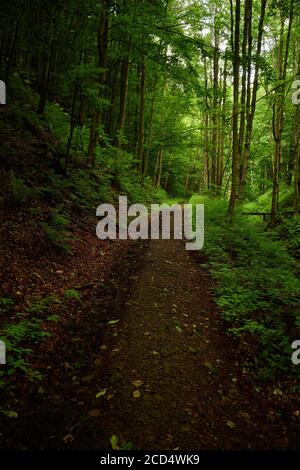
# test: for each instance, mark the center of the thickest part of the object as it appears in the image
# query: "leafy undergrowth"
(257, 287)
(262, 202)
(288, 225)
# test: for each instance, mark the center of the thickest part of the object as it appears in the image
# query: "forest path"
(174, 381)
(145, 358)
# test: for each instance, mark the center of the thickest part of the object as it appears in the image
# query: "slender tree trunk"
(73, 123)
(278, 108)
(296, 161)
(168, 173)
(151, 119)
(158, 168)
(110, 113)
(223, 111)
(102, 61)
(235, 133)
(251, 111)
(244, 91)
(12, 52)
(123, 102)
(206, 133)
(46, 84)
(215, 111)
(296, 149)
(141, 140)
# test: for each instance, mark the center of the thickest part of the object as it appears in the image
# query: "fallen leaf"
(245, 415)
(113, 322)
(137, 383)
(114, 442)
(101, 393)
(230, 424)
(11, 414)
(68, 439)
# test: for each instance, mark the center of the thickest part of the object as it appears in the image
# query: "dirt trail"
(148, 361)
(173, 381)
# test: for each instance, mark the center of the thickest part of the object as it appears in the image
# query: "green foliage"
(117, 444)
(90, 189)
(35, 211)
(262, 203)
(72, 294)
(129, 182)
(6, 303)
(289, 231)
(257, 290)
(21, 336)
(25, 330)
(15, 335)
(59, 121)
(40, 305)
(20, 191)
(53, 318)
(58, 229)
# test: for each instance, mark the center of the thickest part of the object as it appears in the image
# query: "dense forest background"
(190, 96)
(162, 101)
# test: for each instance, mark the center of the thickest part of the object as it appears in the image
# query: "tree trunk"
(206, 133)
(141, 140)
(278, 107)
(158, 168)
(102, 62)
(223, 110)
(235, 133)
(215, 111)
(123, 102)
(46, 80)
(251, 111)
(73, 123)
(245, 83)
(296, 149)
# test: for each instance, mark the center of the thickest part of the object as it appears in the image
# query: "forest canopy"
(190, 95)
